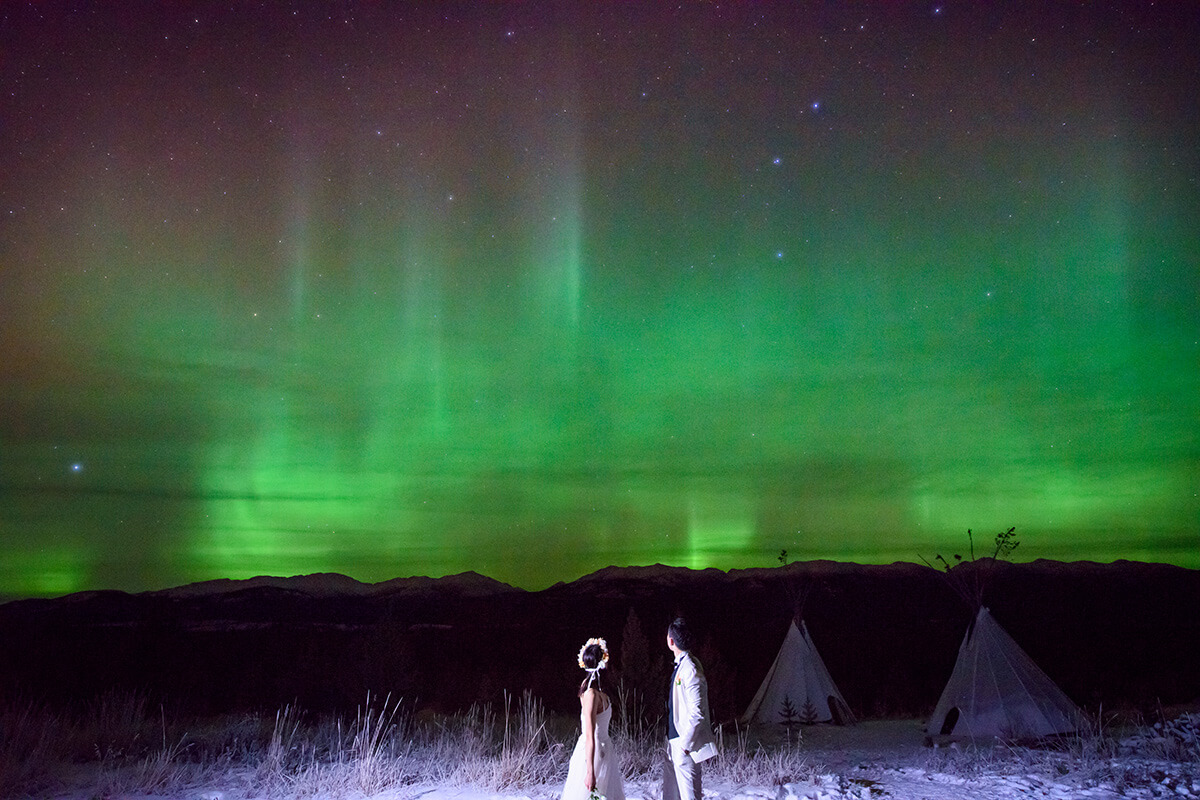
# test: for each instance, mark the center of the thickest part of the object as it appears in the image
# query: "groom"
(689, 731)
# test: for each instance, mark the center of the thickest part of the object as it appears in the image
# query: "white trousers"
(681, 775)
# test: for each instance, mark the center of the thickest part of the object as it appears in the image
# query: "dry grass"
(526, 753)
(126, 744)
(637, 738)
(162, 771)
(1121, 754)
(741, 764)
(31, 743)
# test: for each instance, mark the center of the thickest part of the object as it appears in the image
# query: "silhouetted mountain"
(325, 584)
(332, 584)
(465, 584)
(1122, 635)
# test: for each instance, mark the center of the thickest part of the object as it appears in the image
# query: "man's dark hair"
(681, 632)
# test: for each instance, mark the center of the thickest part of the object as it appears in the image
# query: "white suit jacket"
(689, 710)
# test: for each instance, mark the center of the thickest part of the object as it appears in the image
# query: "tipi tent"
(997, 691)
(798, 678)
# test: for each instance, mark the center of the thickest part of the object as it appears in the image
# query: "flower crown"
(603, 660)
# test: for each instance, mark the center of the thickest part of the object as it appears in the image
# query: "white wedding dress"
(608, 768)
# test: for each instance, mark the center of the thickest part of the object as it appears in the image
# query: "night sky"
(532, 289)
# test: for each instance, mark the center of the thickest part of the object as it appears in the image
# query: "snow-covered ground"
(905, 783)
(874, 759)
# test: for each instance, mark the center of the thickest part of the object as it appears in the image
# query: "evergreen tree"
(787, 713)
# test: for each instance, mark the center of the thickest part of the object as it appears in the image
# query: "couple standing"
(594, 769)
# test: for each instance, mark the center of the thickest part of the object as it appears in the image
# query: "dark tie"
(671, 732)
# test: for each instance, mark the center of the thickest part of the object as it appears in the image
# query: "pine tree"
(787, 713)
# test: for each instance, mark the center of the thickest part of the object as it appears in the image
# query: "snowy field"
(121, 751)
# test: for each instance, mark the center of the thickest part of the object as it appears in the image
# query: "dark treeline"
(1122, 637)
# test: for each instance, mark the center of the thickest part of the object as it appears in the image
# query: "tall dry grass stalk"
(280, 752)
(375, 751)
(526, 756)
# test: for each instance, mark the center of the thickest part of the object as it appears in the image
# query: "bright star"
(76, 467)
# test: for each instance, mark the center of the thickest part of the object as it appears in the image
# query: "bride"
(595, 769)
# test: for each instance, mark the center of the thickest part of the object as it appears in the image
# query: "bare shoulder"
(593, 701)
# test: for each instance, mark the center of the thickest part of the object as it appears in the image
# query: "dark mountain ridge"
(1119, 635)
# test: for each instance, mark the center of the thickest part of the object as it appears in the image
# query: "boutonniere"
(679, 681)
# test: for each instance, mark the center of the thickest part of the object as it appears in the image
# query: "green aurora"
(533, 294)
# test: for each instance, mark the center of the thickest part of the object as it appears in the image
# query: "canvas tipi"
(799, 681)
(997, 691)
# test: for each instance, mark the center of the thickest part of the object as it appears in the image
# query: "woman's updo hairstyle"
(592, 656)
